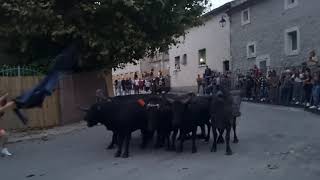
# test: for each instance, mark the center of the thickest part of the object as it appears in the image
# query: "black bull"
(126, 114)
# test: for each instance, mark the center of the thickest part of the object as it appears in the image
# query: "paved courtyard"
(276, 143)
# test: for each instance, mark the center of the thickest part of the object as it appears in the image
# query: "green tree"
(112, 32)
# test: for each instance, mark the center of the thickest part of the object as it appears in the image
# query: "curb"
(314, 111)
(44, 134)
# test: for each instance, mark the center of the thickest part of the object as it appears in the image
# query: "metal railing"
(19, 71)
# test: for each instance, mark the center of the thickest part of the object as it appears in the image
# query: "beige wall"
(212, 37)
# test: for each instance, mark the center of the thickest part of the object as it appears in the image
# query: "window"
(177, 63)
(288, 4)
(245, 17)
(251, 50)
(202, 57)
(184, 59)
(292, 41)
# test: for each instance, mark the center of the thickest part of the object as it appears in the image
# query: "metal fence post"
(19, 71)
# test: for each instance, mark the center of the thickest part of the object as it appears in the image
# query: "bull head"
(188, 99)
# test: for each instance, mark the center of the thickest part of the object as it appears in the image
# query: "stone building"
(273, 33)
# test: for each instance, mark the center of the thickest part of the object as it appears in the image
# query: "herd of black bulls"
(168, 115)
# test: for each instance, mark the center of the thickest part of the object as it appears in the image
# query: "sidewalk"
(15, 137)
(314, 111)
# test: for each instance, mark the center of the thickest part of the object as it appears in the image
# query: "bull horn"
(84, 109)
(188, 99)
(168, 99)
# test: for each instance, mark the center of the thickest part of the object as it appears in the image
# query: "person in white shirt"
(147, 85)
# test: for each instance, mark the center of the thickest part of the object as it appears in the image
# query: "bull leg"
(120, 143)
(215, 135)
(182, 136)
(162, 140)
(208, 135)
(113, 142)
(220, 138)
(173, 139)
(126, 150)
(168, 141)
(203, 132)
(145, 138)
(194, 137)
(234, 126)
(158, 141)
(228, 148)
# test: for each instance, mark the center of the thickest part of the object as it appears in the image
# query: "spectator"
(141, 85)
(123, 86)
(273, 87)
(263, 87)
(3, 134)
(118, 88)
(136, 86)
(297, 87)
(203, 86)
(316, 91)
(286, 85)
(313, 60)
(147, 85)
(199, 82)
(307, 86)
(207, 74)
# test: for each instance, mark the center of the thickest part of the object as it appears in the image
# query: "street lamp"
(223, 21)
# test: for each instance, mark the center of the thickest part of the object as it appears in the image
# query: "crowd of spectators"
(299, 85)
(210, 80)
(291, 86)
(145, 84)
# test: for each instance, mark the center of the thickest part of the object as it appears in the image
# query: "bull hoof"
(207, 140)
(117, 154)
(229, 153)
(214, 149)
(172, 148)
(179, 150)
(143, 146)
(236, 141)
(125, 155)
(110, 147)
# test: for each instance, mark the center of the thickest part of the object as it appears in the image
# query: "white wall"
(129, 68)
(212, 37)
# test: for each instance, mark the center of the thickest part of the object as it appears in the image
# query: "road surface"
(276, 143)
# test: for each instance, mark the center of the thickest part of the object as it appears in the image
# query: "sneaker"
(313, 107)
(308, 104)
(6, 152)
(319, 108)
(297, 102)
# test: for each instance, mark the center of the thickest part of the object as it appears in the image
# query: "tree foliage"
(112, 32)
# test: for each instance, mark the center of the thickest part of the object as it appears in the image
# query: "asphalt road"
(276, 143)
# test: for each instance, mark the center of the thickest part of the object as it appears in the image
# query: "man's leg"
(3, 142)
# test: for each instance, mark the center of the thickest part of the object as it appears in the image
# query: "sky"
(217, 3)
